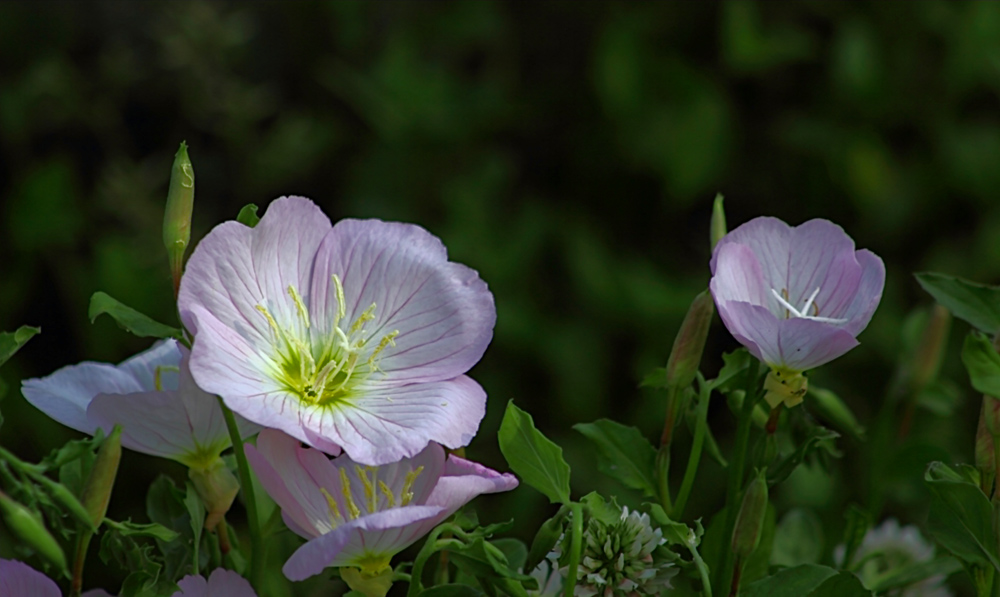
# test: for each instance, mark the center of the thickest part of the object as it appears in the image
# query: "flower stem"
(734, 486)
(576, 545)
(246, 486)
(694, 458)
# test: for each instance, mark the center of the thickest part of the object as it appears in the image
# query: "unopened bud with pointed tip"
(97, 490)
(689, 344)
(985, 455)
(177, 217)
(750, 521)
(718, 226)
(217, 488)
(927, 359)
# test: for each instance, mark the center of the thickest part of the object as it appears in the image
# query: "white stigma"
(803, 314)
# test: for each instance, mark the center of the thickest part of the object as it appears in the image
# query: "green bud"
(718, 226)
(29, 528)
(833, 408)
(685, 356)
(750, 522)
(177, 217)
(97, 490)
(217, 488)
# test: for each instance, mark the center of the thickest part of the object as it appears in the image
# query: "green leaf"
(11, 342)
(845, 584)
(451, 591)
(790, 582)
(676, 533)
(623, 454)
(798, 539)
(196, 512)
(983, 363)
(820, 438)
(961, 517)
(131, 529)
(128, 318)
(165, 504)
(977, 304)
(546, 538)
(248, 215)
(515, 550)
(731, 375)
(532, 456)
(657, 378)
(835, 410)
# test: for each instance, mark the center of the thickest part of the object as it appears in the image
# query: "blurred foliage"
(568, 151)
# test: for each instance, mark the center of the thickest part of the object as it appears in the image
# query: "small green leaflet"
(11, 342)
(128, 318)
(248, 215)
(532, 456)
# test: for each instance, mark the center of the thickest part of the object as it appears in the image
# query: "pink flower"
(360, 516)
(355, 335)
(795, 297)
(162, 412)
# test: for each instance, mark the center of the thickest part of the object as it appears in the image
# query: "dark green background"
(568, 151)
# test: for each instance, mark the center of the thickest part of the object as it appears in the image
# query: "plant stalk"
(257, 555)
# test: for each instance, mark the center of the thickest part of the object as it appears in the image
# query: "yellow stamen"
(301, 306)
(387, 340)
(335, 517)
(345, 489)
(389, 497)
(367, 315)
(341, 304)
(406, 494)
(370, 495)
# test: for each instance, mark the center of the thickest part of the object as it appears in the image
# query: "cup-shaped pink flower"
(152, 395)
(358, 515)
(161, 410)
(796, 297)
(355, 335)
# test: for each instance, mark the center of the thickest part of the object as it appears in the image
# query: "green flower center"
(322, 366)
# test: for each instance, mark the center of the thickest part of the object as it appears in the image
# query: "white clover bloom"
(888, 548)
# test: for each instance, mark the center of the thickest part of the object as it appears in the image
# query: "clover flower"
(162, 412)
(360, 515)
(352, 336)
(625, 558)
(796, 297)
(886, 549)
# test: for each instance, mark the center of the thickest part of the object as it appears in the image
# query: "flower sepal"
(372, 582)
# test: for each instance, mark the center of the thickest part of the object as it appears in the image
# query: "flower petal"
(165, 356)
(66, 394)
(868, 294)
(18, 579)
(385, 424)
(822, 256)
(384, 533)
(443, 311)
(794, 344)
(276, 461)
(769, 239)
(464, 480)
(738, 276)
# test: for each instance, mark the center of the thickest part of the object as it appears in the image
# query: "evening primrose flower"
(221, 583)
(161, 410)
(796, 297)
(354, 335)
(359, 516)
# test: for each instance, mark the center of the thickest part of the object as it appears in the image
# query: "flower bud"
(217, 488)
(833, 408)
(750, 522)
(97, 490)
(29, 528)
(718, 227)
(177, 217)
(985, 456)
(685, 356)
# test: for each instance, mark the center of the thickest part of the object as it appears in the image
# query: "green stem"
(702, 571)
(704, 393)
(246, 486)
(431, 545)
(576, 544)
(735, 484)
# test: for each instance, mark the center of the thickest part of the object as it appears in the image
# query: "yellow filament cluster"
(373, 488)
(320, 369)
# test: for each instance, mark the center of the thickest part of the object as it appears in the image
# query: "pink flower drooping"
(796, 297)
(355, 335)
(360, 516)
